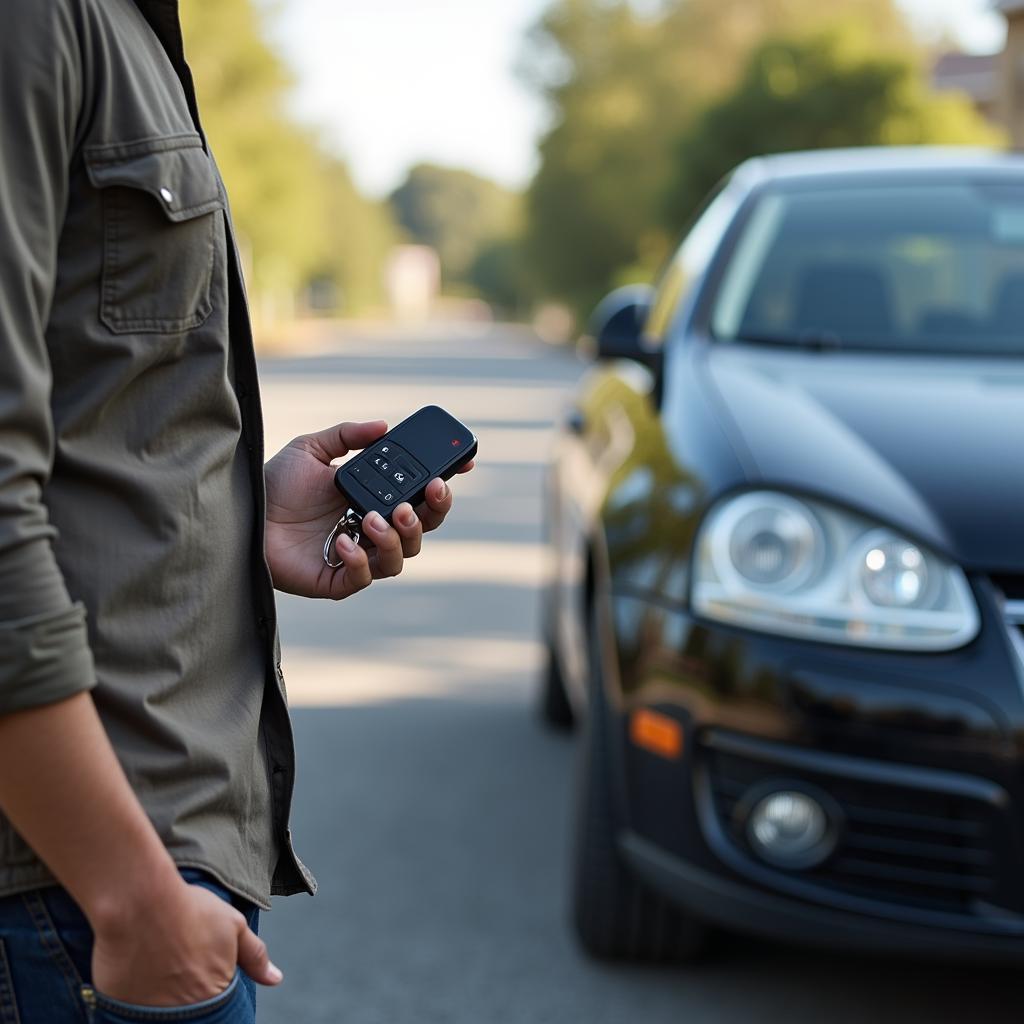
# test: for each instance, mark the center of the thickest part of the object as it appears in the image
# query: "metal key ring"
(349, 523)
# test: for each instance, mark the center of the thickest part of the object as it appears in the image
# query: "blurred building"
(413, 281)
(994, 82)
(974, 74)
(1011, 71)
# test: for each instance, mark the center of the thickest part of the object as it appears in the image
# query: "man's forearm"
(65, 792)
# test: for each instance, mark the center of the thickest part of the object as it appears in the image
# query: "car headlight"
(775, 563)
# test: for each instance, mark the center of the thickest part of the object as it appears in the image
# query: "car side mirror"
(617, 326)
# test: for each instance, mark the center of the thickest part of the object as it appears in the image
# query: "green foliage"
(623, 84)
(358, 237)
(268, 164)
(827, 90)
(455, 212)
(499, 275)
(594, 197)
(295, 209)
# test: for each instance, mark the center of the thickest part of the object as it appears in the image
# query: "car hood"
(930, 445)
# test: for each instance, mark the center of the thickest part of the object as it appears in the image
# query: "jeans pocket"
(230, 1007)
(8, 1004)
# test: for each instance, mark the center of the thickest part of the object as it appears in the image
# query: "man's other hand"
(179, 949)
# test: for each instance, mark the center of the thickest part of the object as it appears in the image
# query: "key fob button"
(382, 488)
(408, 472)
(360, 473)
(382, 466)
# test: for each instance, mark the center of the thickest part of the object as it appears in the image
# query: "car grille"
(1011, 593)
(1012, 590)
(1010, 585)
(909, 846)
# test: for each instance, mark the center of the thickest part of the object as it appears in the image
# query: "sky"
(394, 82)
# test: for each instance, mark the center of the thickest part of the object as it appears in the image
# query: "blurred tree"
(499, 275)
(359, 235)
(623, 82)
(826, 90)
(455, 212)
(296, 210)
(269, 165)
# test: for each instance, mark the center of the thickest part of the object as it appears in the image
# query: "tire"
(553, 703)
(616, 916)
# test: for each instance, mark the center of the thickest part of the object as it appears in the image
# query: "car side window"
(691, 260)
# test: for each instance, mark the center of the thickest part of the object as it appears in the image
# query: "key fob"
(398, 466)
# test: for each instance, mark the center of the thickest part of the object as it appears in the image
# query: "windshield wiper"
(821, 341)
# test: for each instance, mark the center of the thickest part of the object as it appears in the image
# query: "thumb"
(255, 961)
(334, 442)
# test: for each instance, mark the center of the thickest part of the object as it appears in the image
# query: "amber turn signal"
(656, 733)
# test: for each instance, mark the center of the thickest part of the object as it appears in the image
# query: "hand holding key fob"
(397, 467)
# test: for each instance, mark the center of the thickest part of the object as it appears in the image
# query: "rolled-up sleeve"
(44, 651)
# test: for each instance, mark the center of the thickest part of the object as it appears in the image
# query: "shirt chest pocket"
(162, 203)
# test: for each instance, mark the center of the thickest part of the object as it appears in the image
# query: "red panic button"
(456, 442)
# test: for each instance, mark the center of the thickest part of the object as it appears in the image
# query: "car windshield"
(923, 266)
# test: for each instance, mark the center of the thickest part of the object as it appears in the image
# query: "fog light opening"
(790, 828)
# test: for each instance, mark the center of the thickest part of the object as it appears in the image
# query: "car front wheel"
(616, 916)
(553, 702)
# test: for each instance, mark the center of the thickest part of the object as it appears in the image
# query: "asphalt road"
(431, 805)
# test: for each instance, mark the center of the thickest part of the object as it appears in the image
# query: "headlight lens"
(772, 562)
(894, 573)
(774, 544)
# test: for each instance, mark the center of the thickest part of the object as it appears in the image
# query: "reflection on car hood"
(932, 445)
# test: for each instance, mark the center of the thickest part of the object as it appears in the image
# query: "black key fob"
(398, 467)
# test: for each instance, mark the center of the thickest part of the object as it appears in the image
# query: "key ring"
(349, 523)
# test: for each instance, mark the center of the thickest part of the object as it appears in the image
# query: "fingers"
(392, 545)
(388, 559)
(337, 441)
(355, 574)
(254, 959)
(409, 528)
(436, 505)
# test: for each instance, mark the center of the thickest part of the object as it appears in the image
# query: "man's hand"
(158, 940)
(181, 949)
(303, 506)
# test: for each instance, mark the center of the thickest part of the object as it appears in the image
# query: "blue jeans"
(46, 967)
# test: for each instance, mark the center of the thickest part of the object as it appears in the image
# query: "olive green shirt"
(131, 451)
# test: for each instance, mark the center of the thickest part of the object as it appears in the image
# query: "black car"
(787, 524)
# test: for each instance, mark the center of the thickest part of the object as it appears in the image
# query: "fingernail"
(375, 521)
(408, 517)
(275, 973)
(444, 490)
(347, 544)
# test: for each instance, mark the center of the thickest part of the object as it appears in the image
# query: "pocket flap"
(174, 170)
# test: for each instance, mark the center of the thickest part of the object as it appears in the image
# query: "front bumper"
(924, 755)
(731, 904)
